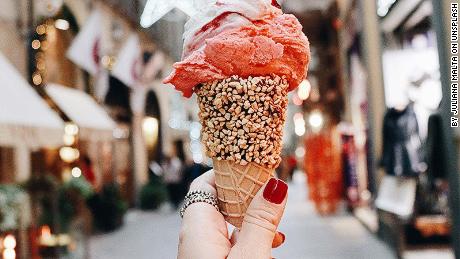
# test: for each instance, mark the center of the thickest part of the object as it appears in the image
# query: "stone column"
(139, 153)
(22, 163)
(376, 93)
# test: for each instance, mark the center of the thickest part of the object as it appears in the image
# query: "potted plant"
(15, 216)
(14, 208)
(108, 208)
(152, 195)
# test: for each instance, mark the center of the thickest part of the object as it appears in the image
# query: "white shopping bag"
(397, 195)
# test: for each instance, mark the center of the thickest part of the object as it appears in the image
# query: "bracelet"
(198, 196)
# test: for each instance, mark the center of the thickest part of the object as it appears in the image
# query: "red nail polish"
(275, 191)
(276, 4)
(283, 236)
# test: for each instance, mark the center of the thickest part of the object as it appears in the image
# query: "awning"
(25, 118)
(94, 122)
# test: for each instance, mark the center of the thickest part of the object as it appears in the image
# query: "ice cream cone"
(241, 59)
(242, 122)
(236, 186)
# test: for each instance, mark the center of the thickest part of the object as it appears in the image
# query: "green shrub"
(72, 194)
(14, 207)
(108, 208)
(43, 190)
(152, 195)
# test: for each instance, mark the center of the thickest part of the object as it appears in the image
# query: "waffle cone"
(236, 187)
(242, 127)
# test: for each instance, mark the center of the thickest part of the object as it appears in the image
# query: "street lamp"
(76, 172)
(71, 129)
(69, 154)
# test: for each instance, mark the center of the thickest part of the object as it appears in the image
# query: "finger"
(261, 221)
(203, 234)
(234, 237)
(278, 240)
(206, 182)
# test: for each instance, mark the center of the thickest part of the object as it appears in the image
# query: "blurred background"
(96, 154)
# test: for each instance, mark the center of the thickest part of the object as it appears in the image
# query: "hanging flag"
(154, 66)
(128, 67)
(85, 50)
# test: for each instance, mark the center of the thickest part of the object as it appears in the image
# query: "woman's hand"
(204, 231)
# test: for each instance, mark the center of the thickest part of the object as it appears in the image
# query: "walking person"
(173, 175)
(88, 170)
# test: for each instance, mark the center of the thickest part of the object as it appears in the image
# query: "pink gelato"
(244, 38)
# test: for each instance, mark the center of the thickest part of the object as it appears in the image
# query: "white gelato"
(229, 14)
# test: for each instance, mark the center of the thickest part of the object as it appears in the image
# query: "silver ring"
(198, 196)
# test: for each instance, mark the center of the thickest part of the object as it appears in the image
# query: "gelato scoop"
(241, 38)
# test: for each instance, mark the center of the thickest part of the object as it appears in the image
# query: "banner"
(85, 50)
(128, 67)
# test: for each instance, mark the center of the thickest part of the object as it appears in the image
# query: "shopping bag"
(397, 195)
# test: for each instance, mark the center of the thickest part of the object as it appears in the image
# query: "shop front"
(92, 131)
(397, 110)
(89, 198)
(27, 125)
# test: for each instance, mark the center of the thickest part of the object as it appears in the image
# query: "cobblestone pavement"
(153, 235)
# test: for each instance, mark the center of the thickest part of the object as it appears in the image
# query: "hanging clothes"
(402, 146)
(433, 188)
(323, 166)
(350, 173)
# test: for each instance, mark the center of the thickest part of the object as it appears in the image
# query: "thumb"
(261, 221)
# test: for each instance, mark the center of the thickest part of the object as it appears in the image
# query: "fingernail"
(283, 236)
(275, 191)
